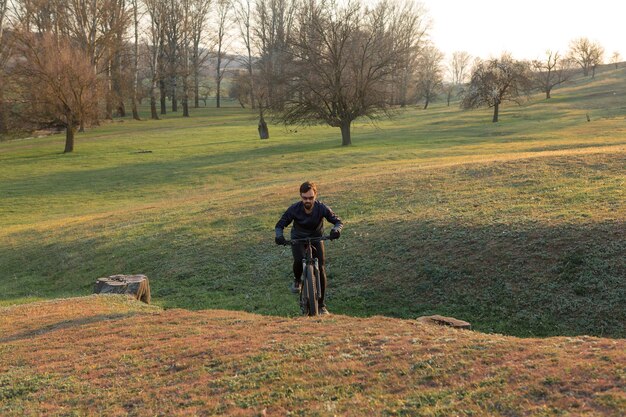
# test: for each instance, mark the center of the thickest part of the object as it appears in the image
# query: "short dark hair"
(306, 186)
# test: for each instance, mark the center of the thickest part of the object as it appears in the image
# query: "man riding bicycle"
(308, 221)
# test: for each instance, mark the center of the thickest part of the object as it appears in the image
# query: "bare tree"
(344, 58)
(114, 21)
(429, 74)
(223, 18)
(99, 28)
(199, 55)
(5, 52)
(42, 16)
(135, 11)
(458, 69)
(173, 36)
(243, 17)
(275, 20)
(412, 39)
(156, 10)
(496, 81)
(57, 82)
(587, 54)
(615, 58)
(185, 56)
(551, 72)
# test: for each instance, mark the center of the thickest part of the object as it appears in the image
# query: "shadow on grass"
(151, 171)
(525, 280)
(65, 324)
(521, 280)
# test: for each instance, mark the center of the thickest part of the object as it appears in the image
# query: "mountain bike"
(311, 291)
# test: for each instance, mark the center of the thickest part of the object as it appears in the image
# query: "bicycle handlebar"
(307, 240)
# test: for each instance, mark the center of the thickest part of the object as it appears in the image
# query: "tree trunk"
(185, 104)
(162, 89)
(108, 107)
(69, 138)
(3, 117)
(217, 93)
(109, 94)
(196, 89)
(496, 109)
(548, 93)
(426, 104)
(153, 109)
(345, 133)
(135, 63)
(121, 109)
(134, 109)
(174, 96)
(218, 79)
(264, 132)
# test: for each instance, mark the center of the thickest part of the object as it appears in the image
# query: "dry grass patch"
(109, 356)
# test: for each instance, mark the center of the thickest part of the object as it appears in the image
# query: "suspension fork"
(308, 255)
(318, 282)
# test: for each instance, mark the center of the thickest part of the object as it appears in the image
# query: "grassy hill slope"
(517, 227)
(106, 355)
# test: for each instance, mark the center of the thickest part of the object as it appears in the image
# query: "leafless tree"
(275, 20)
(199, 54)
(223, 20)
(459, 67)
(344, 58)
(99, 28)
(615, 58)
(3, 19)
(551, 72)
(156, 10)
(56, 82)
(458, 70)
(243, 16)
(587, 54)
(115, 22)
(135, 69)
(42, 16)
(496, 81)
(5, 52)
(429, 74)
(413, 17)
(185, 52)
(173, 37)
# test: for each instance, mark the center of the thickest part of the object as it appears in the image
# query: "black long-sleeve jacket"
(307, 225)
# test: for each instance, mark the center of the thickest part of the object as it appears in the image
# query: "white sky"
(525, 28)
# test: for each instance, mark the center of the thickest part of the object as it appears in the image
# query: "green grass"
(517, 227)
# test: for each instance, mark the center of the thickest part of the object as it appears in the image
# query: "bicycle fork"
(316, 277)
(318, 284)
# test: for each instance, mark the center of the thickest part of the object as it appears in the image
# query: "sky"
(525, 28)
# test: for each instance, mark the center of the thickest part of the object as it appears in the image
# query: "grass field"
(106, 356)
(518, 227)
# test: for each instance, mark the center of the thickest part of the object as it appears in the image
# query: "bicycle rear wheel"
(309, 292)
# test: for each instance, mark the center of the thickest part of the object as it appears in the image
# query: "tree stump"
(445, 321)
(264, 132)
(136, 285)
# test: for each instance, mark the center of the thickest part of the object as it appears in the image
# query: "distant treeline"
(67, 64)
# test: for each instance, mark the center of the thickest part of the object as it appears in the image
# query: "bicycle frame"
(311, 291)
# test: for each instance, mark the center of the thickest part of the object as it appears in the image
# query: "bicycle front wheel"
(310, 292)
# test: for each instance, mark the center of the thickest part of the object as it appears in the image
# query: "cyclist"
(308, 217)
